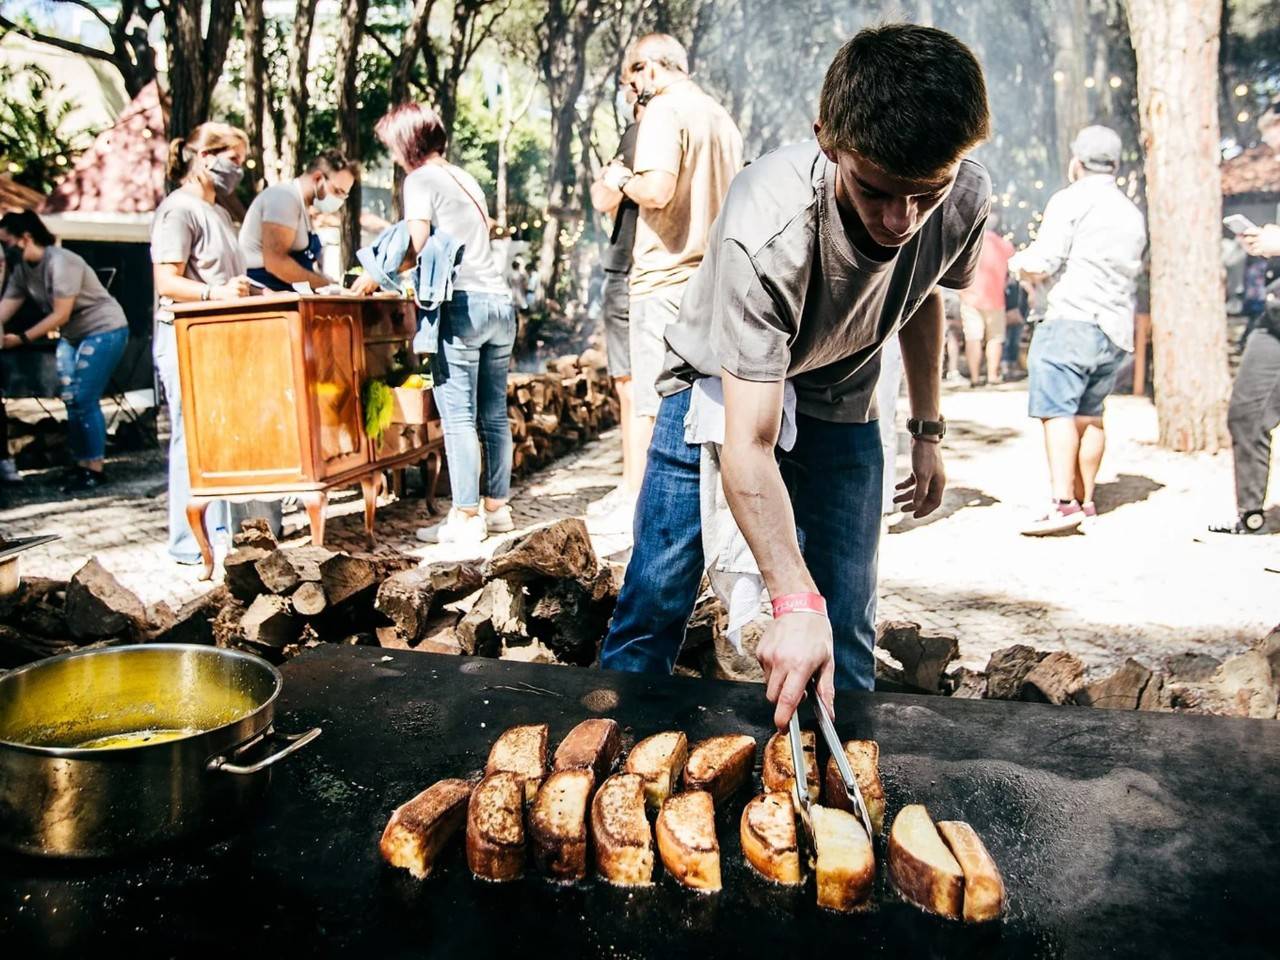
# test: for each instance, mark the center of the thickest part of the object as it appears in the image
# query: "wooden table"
(271, 404)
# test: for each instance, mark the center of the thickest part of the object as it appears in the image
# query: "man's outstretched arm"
(921, 339)
(798, 645)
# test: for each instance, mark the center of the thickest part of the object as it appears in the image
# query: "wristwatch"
(22, 335)
(931, 430)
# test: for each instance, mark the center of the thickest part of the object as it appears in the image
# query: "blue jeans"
(84, 369)
(220, 516)
(1071, 369)
(477, 332)
(833, 475)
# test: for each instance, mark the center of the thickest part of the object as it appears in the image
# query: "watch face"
(1254, 521)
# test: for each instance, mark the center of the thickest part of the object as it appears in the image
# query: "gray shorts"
(616, 302)
(650, 317)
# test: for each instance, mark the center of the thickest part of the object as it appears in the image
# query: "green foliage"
(474, 147)
(36, 148)
(379, 407)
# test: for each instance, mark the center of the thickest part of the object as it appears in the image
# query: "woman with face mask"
(196, 256)
(92, 333)
(280, 247)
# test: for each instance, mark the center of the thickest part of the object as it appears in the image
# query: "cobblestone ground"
(1143, 581)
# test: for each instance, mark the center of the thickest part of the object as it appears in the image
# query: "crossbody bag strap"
(484, 216)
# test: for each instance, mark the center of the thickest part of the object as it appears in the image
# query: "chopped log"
(307, 560)
(32, 591)
(565, 618)
(240, 572)
(98, 606)
(498, 616)
(255, 532)
(18, 648)
(193, 622)
(226, 624)
(966, 684)
(407, 597)
(924, 659)
(277, 573)
(343, 576)
(1122, 690)
(1007, 668)
(559, 550)
(1055, 679)
(309, 599)
(269, 622)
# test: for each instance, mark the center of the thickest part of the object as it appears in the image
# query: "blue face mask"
(226, 175)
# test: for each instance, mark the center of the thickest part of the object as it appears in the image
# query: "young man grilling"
(821, 252)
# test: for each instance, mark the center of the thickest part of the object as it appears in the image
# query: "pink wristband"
(799, 603)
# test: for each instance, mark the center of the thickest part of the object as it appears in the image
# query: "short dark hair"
(26, 221)
(910, 99)
(332, 161)
(413, 132)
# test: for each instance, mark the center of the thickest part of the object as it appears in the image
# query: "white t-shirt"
(281, 204)
(453, 205)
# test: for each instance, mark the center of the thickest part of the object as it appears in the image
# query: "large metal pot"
(111, 750)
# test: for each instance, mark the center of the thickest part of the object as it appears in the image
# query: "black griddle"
(1119, 834)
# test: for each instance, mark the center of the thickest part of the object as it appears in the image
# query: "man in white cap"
(1092, 240)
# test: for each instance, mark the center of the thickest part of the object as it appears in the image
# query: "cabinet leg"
(196, 510)
(430, 477)
(369, 487)
(315, 502)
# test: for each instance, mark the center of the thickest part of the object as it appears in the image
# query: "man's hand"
(794, 648)
(921, 493)
(615, 175)
(365, 285)
(11, 341)
(1262, 242)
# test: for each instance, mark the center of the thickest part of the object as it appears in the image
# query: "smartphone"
(1238, 224)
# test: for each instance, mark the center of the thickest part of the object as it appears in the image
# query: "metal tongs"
(800, 782)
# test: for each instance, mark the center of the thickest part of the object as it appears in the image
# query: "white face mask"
(328, 203)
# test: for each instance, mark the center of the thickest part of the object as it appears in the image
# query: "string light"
(1115, 83)
(1058, 76)
(1241, 89)
(1242, 116)
(1039, 184)
(60, 160)
(1119, 181)
(15, 168)
(1089, 82)
(1022, 204)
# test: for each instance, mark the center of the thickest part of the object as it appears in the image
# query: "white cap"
(1098, 149)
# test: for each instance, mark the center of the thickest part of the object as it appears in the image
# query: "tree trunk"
(296, 95)
(510, 116)
(562, 39)
(349, 34)
(1177, 47)
(255, 90)
(1070, 96)
(195, 60)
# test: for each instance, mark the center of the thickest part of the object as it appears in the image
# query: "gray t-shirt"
(783, 293)
(452, 201)
(281, 204)
(61, 274)
(198, 235)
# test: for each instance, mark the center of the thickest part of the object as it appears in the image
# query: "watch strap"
(928, 429)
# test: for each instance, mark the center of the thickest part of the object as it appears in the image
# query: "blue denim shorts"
(1071, 368)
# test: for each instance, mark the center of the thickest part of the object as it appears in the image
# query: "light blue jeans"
(84, 369)
(221, 516)
(477, 332)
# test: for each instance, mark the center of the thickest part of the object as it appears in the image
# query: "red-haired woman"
(477, 326)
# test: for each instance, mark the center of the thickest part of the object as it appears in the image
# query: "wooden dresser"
(271, 390)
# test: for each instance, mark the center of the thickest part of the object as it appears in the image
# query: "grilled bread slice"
(686, 832)
(983, 886)
(522, 751)
(660, 760)
(419, 829)
(779, 768)
(620, 832)
(846, 869)
(720, 765)
(864, 759)
(591, 745)
(495, 827)
(558, 824)
(768, 832)
(921, 866)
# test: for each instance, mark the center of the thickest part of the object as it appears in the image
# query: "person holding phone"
(1255, 398)
(196, 256)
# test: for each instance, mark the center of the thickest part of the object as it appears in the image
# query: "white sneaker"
(9, 472)
(458, 527)
(613, 514)
(500, 520)
(1061, 518)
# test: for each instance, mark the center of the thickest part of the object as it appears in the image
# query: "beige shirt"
(687, 134)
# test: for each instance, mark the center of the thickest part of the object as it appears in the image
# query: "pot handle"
(295, 741)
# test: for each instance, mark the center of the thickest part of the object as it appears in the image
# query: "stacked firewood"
(552, 413)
